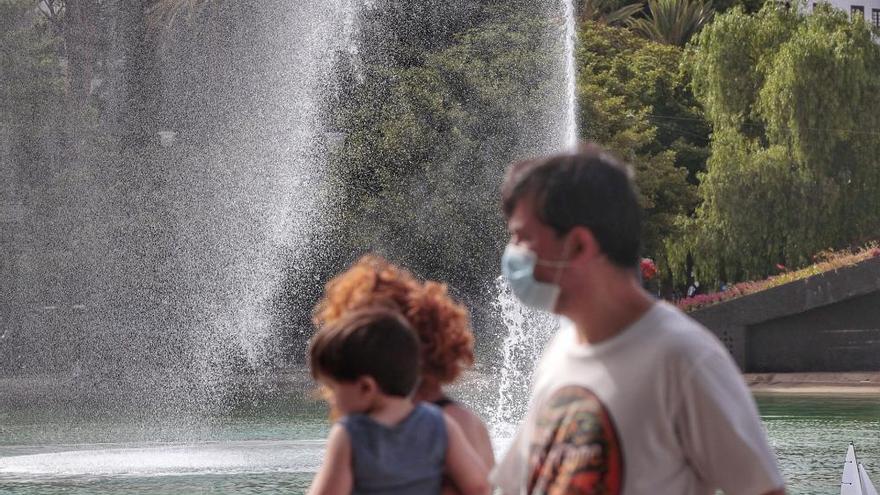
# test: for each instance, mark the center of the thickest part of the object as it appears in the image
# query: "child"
(385, 444)
(441, 324)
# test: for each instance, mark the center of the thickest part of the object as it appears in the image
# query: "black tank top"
(443, 402)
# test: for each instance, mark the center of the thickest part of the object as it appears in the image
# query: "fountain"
(529, 331)
(142, 308)
(141, 259)
(148, 288)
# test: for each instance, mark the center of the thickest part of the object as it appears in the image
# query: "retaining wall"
(828, 322)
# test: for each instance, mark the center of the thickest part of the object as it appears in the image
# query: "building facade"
(867, 9)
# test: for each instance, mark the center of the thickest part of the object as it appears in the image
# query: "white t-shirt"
(660, 408)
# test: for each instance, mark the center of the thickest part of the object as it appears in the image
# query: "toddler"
(384, 443)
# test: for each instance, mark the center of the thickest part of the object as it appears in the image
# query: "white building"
(868, 9)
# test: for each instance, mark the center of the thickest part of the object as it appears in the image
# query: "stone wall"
(828, 322)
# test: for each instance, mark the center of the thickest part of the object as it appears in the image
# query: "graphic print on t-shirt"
(574, 449)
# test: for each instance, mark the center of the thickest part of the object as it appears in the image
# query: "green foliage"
(633, 99)
(610, 12)
(401, 33)
(824, 262)
(729, 62)
(750, 6)
(673, 22)
(30, 70)
(30, 78)
(426, 147)
(165, 13)
(793, 167)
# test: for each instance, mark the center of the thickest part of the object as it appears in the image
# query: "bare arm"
(484, 445)
(463, 465)
(475, 432)
(335, 476)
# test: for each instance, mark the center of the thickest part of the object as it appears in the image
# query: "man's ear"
(367, 384)
(583, 244)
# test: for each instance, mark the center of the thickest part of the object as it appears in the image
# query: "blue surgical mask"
(518, 267)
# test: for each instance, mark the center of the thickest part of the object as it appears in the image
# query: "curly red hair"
(442, 324)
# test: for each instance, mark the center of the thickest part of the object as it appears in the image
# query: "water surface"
(276, 448)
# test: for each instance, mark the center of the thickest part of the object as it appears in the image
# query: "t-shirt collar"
(575, 348)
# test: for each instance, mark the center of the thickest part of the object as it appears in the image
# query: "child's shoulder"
(428, 408)
(421, 414)
(431, 420)
(423, 429)
(425, 413)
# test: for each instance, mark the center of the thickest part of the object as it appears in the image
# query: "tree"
(673, 22)
(427, 146)
(140, 75)
(165, 13)
(31, 80)
(793, 168)
(633, 99)
(401, 33)
(610, 12)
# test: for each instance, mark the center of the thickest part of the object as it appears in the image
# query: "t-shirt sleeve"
(509, 474)
(721, 432)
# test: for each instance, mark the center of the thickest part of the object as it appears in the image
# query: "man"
(631, 396)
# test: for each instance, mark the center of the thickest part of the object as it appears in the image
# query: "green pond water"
(276, 449)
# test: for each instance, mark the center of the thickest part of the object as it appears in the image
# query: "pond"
(275, 448)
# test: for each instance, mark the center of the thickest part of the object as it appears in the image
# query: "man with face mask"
(631, 396)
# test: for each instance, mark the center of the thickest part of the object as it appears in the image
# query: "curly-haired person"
(441, 324)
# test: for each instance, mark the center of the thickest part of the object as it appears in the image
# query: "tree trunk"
(81, 46)
(141, 78)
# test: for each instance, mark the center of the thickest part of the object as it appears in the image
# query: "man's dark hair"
(376, 342)
(588, 187)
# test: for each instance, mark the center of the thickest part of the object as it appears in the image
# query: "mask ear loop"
(557, 265)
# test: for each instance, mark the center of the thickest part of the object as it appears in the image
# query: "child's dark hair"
(376, 342)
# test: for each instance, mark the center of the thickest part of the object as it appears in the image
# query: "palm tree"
(673, 22)
(608, 12)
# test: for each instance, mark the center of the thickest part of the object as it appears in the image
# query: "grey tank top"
(405, 459)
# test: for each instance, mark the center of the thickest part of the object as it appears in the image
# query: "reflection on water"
(256, 484)
(271, 447)
(276, 448)
(102, 461)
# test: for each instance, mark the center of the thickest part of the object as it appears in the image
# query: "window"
(857, 10)
(875, 17)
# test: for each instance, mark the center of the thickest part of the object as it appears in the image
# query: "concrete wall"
(839, 337)
(829, 322)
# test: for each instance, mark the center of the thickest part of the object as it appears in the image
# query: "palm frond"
(673, 22)
(608, 12)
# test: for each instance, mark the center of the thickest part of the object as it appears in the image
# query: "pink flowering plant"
(825, 261)
(649, 269)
